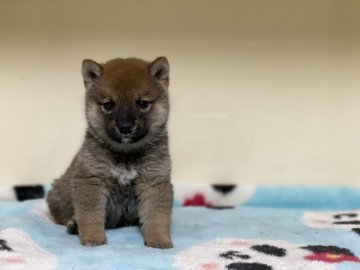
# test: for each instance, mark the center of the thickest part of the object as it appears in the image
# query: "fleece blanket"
(214, 227)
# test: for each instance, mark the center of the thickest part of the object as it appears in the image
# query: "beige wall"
(262, 91)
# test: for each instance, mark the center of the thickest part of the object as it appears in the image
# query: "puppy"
(121, 175)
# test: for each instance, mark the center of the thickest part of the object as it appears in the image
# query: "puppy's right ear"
(91, 72)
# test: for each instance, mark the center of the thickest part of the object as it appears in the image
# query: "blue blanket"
(246, 228)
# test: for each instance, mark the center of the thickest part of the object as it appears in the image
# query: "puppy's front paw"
(161, 242)
(93, 241)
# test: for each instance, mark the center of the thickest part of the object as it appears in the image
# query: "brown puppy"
(121, 175)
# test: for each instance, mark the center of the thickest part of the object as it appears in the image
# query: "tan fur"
(119, 180)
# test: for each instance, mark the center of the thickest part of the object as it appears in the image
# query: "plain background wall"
(262, 91)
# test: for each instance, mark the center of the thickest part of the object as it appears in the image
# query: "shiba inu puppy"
(121, 175)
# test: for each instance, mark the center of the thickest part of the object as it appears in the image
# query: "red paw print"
(197, 200)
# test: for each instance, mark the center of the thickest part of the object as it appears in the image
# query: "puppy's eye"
(143, 104)
(108, 106)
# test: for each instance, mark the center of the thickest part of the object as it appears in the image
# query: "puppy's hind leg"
(72, 227)
(59, 202)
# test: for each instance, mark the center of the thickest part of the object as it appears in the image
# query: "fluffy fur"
(121, 174)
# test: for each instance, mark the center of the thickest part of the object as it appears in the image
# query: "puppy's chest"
(123, 174)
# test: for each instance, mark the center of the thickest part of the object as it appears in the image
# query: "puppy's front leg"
(90, 198)
(155, 207)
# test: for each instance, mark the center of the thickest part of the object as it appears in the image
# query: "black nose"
(126, 128)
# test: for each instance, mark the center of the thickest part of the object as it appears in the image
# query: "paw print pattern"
(349, 221)
(233, 254)
(213, 196)
(4, 246)
(259, 254)
(18, 251)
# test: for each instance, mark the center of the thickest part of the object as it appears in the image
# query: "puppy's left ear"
(91, 72)
(159, 69)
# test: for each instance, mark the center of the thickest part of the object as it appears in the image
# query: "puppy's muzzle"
(126, 128)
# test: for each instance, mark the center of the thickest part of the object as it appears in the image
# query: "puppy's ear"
(91, 71)
(160, 68)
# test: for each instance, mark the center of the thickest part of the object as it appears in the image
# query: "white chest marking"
(124, 175)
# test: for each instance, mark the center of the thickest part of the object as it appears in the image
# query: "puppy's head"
(127, 102)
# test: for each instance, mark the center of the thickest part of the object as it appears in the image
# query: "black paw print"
(4, 246)
(248, 266)
(233, 254)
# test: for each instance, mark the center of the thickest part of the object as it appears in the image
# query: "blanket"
(214, 227)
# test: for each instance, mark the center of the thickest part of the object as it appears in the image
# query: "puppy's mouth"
(130, 139)
(133, 137)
